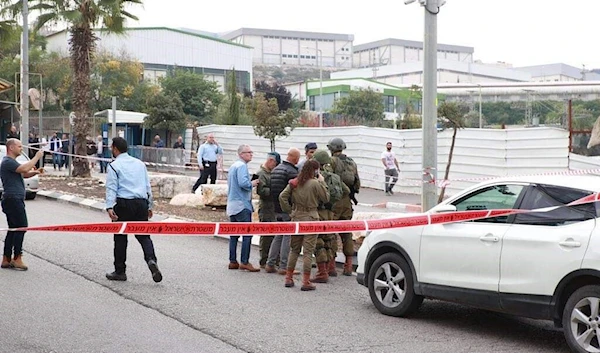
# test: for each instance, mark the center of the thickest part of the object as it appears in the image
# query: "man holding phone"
(207, 161)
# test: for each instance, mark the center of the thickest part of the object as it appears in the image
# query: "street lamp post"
(429, 159)
(25, 76)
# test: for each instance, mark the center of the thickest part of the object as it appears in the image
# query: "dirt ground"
(94, 189)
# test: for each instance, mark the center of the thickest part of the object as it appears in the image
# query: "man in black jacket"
(280, 176)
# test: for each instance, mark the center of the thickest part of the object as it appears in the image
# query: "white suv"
(543, 265)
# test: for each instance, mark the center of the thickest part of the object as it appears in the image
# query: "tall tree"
(165, 113)
(81, 17)
(200, 97)
(365, 104)
(277, 91)
(268, 122)
(234, 101)
(119, 76)
(451, 116)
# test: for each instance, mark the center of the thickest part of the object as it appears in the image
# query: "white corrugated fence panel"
(478, 153)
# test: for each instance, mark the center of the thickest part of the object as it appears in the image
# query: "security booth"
(129, 125)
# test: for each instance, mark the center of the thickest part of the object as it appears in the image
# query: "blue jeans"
(244, 216)
(56, 159)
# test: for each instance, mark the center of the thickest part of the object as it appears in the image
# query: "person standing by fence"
(390, 163)
(100, 154)
(207, 161)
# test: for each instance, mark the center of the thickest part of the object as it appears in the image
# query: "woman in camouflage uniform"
(301, 199)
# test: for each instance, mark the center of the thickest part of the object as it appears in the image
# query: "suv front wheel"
(391, 286)
(581, 320)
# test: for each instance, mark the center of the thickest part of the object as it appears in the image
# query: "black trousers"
(131, 210)
(210, 169)
(14, 208)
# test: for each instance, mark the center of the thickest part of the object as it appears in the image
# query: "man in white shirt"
(390, 163)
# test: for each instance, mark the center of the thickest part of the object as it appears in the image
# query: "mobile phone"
(254, 177)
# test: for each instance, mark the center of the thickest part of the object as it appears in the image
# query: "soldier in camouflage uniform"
(301, 199)
(326, 247)
(346, 168)
(266, 210)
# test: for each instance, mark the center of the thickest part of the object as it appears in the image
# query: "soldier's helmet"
(336, 144)
(322, 157)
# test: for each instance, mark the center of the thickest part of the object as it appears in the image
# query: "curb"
(402, 207)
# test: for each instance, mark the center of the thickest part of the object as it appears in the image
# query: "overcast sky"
(520, 32)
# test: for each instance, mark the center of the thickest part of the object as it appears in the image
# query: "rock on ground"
(190, 200)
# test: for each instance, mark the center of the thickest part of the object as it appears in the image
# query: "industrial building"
(449, 71)
(161, 49)
(393, 51)
(278, 47)
(559, 73)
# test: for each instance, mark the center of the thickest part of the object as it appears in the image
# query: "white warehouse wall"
(478, 154)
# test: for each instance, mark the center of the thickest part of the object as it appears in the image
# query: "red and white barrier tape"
(292, 228)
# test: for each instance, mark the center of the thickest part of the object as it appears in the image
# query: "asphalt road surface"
(65, 304)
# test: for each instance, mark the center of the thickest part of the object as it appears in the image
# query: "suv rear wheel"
(581, 320)
(391, 286)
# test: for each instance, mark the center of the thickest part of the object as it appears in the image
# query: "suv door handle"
(570, 243)
(489, 238)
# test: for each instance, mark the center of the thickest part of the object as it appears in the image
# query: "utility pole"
(429, 160)
(25, 76)
(375, 67)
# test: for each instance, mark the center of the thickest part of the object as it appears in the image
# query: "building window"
(388, 103)
(311, 103)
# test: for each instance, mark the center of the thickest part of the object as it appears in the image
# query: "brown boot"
(248, 267)
(348, 266)
(5, 262)
(306, 285)
(331, 271)
(18, 263)
(289, 278)
(322, 276)
(270, 269)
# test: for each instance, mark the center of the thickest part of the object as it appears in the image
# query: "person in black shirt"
(12, 134)
(179, 143)
(13, 200)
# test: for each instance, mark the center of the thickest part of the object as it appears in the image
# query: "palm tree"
(81, 17)
(8, 31)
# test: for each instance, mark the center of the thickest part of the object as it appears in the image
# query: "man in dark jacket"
(266, 210)
(281, 175)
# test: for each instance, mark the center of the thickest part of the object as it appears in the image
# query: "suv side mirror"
(444, 208)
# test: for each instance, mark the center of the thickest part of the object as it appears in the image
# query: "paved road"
(64, 304)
